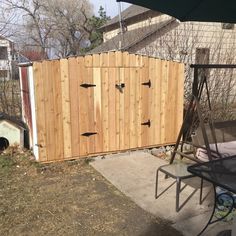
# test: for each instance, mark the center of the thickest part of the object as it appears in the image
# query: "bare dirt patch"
(68, 198)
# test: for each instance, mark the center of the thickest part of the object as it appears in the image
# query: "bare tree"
(70, 26)
(56, 27)
(180, 44)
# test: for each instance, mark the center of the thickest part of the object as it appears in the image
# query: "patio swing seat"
(225, 133)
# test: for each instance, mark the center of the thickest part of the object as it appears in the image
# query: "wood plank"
(138, 107)
(164, 88)
(105, 105)
(66, 113)
(138, 61)
(40, 110)
(170, 103)
(117, 107)
(98, 110)
(132, 60)
(88, 61)
(151, 98)
(180, 98)
(104, 62)
(112, 109)
(49, 110)
(126, 59)
(74, 105)
(96, 60)
(57, 103)
(112, 59)
(90, 111)
(83, 108)
(119, 59)
(145, 106)
(156, 112)
(132, 112)
(122, 110)
(127, 108)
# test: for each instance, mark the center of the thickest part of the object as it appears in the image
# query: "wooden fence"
(106, 102)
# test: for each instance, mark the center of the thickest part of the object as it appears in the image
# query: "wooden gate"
(106, 103)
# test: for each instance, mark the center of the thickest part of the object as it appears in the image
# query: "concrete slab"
(134, 173)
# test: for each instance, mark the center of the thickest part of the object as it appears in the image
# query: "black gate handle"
(148, 123)
(149, 84)
(87, 85)
(88, 134)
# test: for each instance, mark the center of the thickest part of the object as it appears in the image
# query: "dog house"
(11, 132)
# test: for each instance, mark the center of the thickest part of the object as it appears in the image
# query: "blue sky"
(110, 6)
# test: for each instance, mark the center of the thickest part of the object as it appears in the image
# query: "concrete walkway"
(134, 174)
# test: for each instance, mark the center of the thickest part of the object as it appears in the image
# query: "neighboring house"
(9, 59)
(155, 34)
(6, 49)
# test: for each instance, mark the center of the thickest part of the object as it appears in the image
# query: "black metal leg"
(178, 186)
(156, 183)
(209, 221)
(201, 186)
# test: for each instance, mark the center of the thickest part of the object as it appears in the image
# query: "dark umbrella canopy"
(193, 10)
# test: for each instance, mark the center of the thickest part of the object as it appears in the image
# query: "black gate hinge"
(148, 123)
(88, 134)
(87, 85)
(149, 84)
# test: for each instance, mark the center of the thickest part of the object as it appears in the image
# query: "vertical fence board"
(164, 86)
(119, 59)
(96, 60)
(117, 107)
(156, 113)
(40, 110)
(144, 106)
(122, 111)
(58, 120)
(111, 59)
(66, 113)
(74, 108)
(98, 109)
(132, 111)
(126, 59)
(127, 108)
(180, 98)
(90, 112)
(49, 110)
(138, 107)
(83, 109)
(112, 109)
(105, 104)
(151, 101)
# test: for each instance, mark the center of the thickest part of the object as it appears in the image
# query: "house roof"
(13, 120)
(128, 13)
(131, 38)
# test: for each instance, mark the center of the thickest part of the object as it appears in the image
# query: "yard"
(66, 198)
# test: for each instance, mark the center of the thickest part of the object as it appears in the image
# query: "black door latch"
(120, 87)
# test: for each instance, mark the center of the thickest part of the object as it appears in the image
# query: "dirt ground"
(68, 198)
